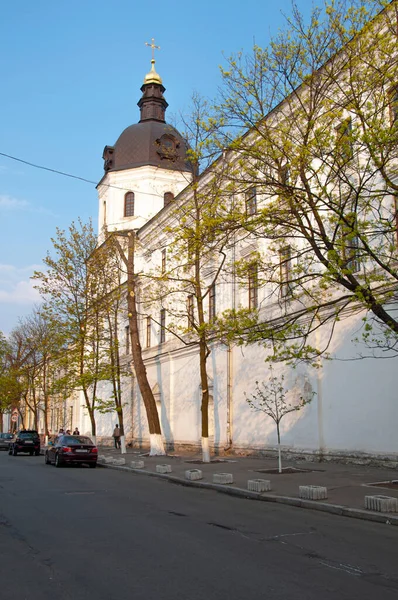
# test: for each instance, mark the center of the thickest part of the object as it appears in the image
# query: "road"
(82, 534)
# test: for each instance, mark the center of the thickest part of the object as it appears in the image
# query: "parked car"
(27, 440)
(5, 440)
(72, 449)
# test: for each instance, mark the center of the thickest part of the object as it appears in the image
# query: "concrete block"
(193, 474)
(119, 462)
(108, 459)
(259, 485)
(313, 492)
(137, 464)
(101, 458)
(384, 504)
(163, 468)
(223, 478)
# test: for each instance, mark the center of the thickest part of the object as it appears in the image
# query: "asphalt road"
(78, 533)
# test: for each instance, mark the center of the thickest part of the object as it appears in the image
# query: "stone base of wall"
(292, 454)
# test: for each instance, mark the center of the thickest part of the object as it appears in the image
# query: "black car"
(5, 440)
(27, 440)
(72, 449)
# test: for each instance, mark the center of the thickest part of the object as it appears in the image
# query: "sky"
(70, 73)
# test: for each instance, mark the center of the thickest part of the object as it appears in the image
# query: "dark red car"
(72, 449)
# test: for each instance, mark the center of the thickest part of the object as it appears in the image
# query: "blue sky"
(70, 75)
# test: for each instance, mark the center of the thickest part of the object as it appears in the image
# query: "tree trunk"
(279, 449)
(155, 434)
(205, 401)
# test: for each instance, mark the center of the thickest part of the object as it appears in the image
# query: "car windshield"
(25, 435)
(7, 436)
(75, 440)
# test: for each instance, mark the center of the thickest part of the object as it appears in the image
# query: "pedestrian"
(68, 432)
(61, 432)
(76, 432)
(116, 436)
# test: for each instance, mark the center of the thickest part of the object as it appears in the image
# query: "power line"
(57, 172)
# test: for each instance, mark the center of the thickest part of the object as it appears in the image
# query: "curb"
(333, 509)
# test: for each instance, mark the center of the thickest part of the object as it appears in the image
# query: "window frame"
(285, 271)
(212, 302)
(253, 286)
(251, 201)
(168, 198)
(190, 311)
(164, 260)
(129, 204)
(162, 333)
(148, 332)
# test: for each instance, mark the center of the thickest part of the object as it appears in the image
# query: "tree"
(6, 381)
(70, 286)
(111, 299)
(194, 247)
(321, 107)
(125, 244)
(275, 401)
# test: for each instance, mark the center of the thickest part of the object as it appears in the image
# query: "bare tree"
(274, 400)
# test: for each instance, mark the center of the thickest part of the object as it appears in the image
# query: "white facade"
(354, 410)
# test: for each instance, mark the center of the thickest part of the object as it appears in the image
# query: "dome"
(150, 143)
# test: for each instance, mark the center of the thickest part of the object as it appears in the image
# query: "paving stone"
(163, 468)
(193, 474)
(379, 503)
(313, 492)
(223, 478)
(137, 464)
(259, 485)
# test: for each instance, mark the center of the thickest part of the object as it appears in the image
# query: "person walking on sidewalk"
(116, 436)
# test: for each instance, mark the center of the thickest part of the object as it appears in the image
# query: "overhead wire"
(57, 172)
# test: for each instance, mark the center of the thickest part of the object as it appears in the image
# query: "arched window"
(129, 204)
(168, 197)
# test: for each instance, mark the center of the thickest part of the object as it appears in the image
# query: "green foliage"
(324, 163)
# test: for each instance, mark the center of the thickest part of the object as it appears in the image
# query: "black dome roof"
(150, 143)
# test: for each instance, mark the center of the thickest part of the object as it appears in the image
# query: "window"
(163, 261)
(168, 197)
(285, 269)
(253, 286)
(129, 204)
(251, 201)
(284, 174)
(190, 249)
(190, 311)
(393, 104)
(351, 243)
(127, 338)
(344, 146)
(148, 332)
(212, 302)
(104, 212)
(162, 325)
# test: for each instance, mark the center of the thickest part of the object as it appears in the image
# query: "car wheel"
(14, 452)
(37, 452)
(58, 462)
(47, 459)
(92, 465)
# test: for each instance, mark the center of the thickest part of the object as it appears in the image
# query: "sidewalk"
(347, 485)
